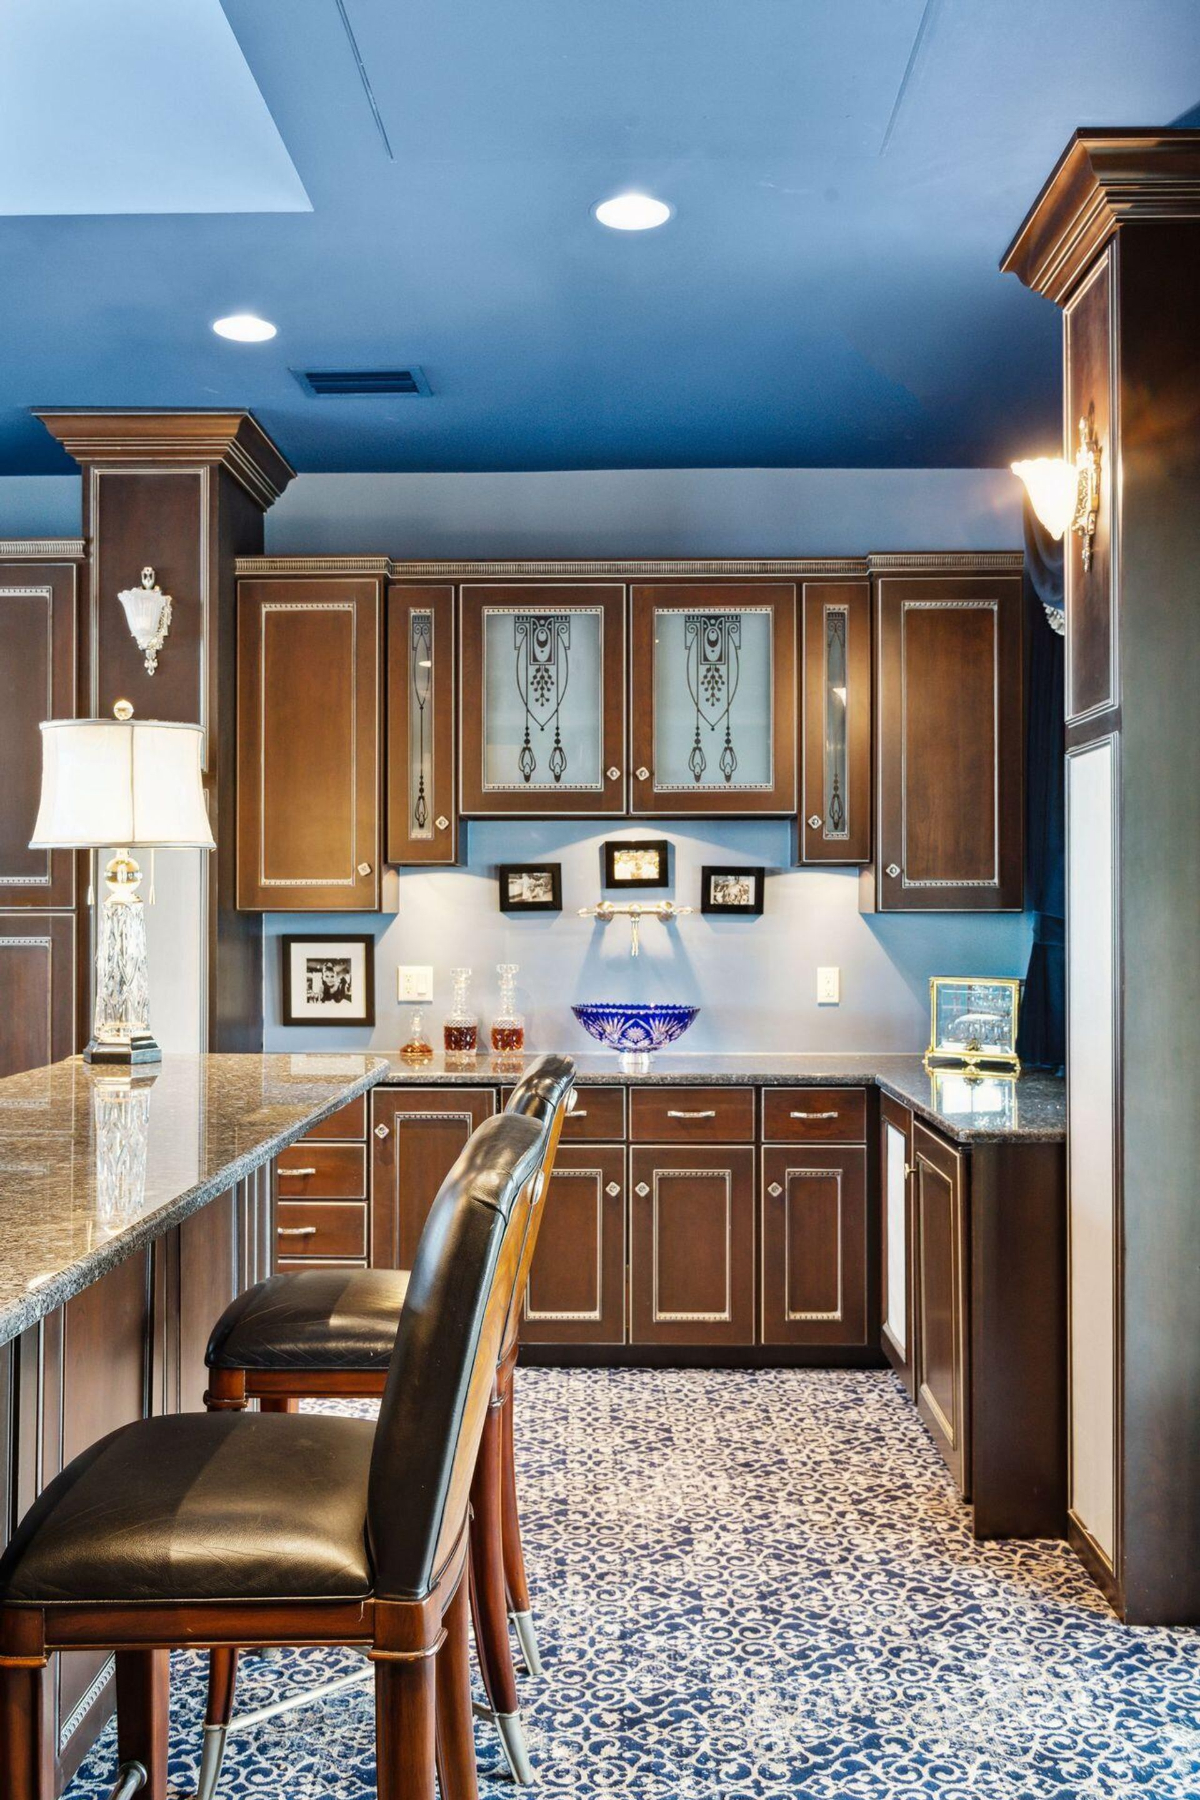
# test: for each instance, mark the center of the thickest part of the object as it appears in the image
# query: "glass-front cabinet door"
(714, 698)
(422, 810)
(835, 780)
(543, 699)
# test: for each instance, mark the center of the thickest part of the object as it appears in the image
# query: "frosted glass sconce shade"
(1052, 484)
(113, 781)
(148, 615)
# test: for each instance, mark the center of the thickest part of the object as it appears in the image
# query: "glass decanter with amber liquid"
(508, 1027)
(460, 1032)
(417, 1049)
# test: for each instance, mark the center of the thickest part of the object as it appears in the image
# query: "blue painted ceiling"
(845, 175)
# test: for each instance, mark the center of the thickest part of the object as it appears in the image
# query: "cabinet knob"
(613, 774)
(381, 1131)
(816, 821)
(893, 869)
(364, 868)
(441, 821)
(774, 1190)
(642, 774)
(641, 1190)
(613, 1188)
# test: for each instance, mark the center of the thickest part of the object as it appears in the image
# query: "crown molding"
(1102, 180)
(234, 441)
(625, 569)
(42, 549)
(946, 562)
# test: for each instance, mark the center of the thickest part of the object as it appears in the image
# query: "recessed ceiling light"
(632, 212)
(244, 328)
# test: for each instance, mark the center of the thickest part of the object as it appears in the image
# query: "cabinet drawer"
(820, 1115)
(687, 1115)
(349, 1121)
(599, 1116)
(322, 1172)
(305, 1228)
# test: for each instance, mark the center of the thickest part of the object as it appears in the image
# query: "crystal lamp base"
(121, 1024)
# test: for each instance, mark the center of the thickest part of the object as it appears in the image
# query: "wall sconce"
(1067, 495)
(148, 612)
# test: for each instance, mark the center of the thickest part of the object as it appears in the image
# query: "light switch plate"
(829, 987)
(414, 982)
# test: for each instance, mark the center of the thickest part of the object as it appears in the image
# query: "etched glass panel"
(543, 700)
(713, 696)
(420, 724)
(836, 797)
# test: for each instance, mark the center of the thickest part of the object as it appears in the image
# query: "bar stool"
(320, 1332)
(232, 1530)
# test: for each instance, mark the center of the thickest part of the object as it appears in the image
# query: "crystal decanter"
(417, 1049)
(508, 1027)
(460, 1032)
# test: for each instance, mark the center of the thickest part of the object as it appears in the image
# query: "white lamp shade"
(134, 784)
(1052, 484)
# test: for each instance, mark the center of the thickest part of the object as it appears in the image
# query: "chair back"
(442, 1371)
(546, 1092)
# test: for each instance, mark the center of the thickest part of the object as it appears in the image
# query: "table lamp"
(137, 784)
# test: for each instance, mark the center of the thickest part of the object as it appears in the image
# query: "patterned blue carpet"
(759, 1585)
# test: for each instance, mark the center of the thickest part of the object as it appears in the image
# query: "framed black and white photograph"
(736, 893)
(530, 887)
(636, 863)
(329, 980)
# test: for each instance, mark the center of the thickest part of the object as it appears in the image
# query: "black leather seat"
(312, 1319)
(202, 1506)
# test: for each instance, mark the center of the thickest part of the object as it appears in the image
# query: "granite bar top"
(993, 1110)
(94, 1163)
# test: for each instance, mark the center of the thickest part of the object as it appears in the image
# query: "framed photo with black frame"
(732, 893)
(637, 863)
(530, 887)
(329, 980)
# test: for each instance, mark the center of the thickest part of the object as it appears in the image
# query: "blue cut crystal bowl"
(635, 1029)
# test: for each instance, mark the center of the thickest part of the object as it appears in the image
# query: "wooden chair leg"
(488, 1598)
(278, 1403)
(515, 1578)
(457, 1775)
(26, 1763)
(226, 1390)
(143, 1703)
(222, 1679)
(405, 1729)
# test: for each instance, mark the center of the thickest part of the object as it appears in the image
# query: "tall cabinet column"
(185, 493)
(1114, 239)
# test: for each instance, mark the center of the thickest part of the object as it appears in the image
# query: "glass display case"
(422, 821)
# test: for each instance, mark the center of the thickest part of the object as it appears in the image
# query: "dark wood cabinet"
(691, 1253)
(37, 980)
(309, 744)
(542, 685)
(37, 681)
(422, 731)
(835, 722)
(949, 754)
(942, 1343)
(416, 1136)
(813, 1256)
(898, 1250)
(576, 1291)
(713, 689)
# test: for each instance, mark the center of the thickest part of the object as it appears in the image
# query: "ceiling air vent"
(362, 381)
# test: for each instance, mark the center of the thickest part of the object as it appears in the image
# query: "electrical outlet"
(829, 987)
(414, 983)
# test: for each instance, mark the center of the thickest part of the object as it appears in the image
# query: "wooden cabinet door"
(691, 1264)
(576, 1292)
(309, 744)
(37, 681)
(835, 722)
(897, 1317)
(416, 1137)
(950, 834)
(422, 734)
(542, 699)
(713, 681)
(813, 1245)
(940, 1179)
(37, 980)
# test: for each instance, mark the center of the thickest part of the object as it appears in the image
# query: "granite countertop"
(94, 1163)
(996, 1109)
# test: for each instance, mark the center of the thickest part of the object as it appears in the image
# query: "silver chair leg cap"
(212, 1755)
(512, 1737)
(527, 1639)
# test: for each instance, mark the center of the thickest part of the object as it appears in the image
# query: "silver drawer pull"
(673, 1114)
(578, 1112)
(295, 1172)
(824, 1115)
(296, 1231)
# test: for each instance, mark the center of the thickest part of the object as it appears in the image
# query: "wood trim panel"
(349, 1121)
(1091, 391)
(416, 1135)
(900, 1248)
(478, 800)
(780, 600)
(813, 1246)
(817, 845)
(692, 1232)
(441, 801)
(38, 655)
(942, 1346)
(576, 1292)
(37, 980)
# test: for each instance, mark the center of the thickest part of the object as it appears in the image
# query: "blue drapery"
(1042, 1042)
